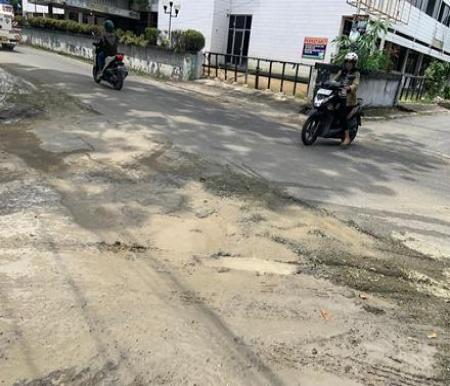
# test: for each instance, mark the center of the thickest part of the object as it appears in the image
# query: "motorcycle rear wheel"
(310, 131)
(94, 75)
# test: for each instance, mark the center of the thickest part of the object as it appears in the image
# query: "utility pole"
(173, 11)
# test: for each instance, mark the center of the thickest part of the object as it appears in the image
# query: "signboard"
(314, 48)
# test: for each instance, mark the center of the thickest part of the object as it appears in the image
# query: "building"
(127, 14)
(33, 9)
(304, 30)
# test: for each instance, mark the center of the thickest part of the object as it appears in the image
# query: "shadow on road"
(261, 146)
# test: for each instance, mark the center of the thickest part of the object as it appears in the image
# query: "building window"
(418, 3)
(430, 7)
(348, 24)
(444, 15)
(239, 38)
(411, 62)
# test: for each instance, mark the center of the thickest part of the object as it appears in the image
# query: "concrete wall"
(153, 61)
(379, 91)
(376, 89)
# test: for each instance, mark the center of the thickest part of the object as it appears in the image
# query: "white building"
(277, 29)
(29, 8)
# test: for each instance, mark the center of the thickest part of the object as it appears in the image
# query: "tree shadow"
(231, 135)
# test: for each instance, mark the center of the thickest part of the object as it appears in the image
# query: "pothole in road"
(118, 246)
(253, 264)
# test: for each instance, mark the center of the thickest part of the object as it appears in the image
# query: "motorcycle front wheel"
(353, 128)
(118, 84)
(310, 131)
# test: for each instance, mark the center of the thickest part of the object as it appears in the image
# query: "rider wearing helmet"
(107, 45)
(349, 76)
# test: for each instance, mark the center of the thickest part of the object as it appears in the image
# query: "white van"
(9, 34)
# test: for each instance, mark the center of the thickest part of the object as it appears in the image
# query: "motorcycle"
(323, 120)
(114, 72)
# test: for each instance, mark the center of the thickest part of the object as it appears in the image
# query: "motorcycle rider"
(107, 45)
(349, 76)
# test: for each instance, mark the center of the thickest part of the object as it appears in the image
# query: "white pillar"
(80, 17)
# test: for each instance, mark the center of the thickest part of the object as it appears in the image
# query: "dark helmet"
(109, 26)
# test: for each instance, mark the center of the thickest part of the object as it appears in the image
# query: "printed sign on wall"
(315, 48)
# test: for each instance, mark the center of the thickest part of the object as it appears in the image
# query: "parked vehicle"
(323, 120)
(9, 34)
(114, 72)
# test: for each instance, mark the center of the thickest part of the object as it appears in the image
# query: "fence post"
(226, 70)
(270, 74)
(209, 64)
(401, 84)
(296, 79)
(422, 87)
(235, 71)
(246, 72)
(217, 65)
(282, 76)
(407, 83)
(257, 75)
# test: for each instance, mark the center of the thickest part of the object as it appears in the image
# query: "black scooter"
(115, 72)
(323, 121)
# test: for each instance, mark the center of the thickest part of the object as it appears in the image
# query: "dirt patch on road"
(138, 263)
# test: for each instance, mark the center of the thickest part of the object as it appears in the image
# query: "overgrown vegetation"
(371, 58)
(437, 80)
(63, 25)
(182, 41)
(188, 41)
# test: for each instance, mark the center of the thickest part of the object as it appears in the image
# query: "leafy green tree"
(17, 5)
(371, 58)
(437, 79)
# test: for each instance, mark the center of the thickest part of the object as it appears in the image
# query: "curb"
(399, 116)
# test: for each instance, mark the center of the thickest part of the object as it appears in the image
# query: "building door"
(239, 39)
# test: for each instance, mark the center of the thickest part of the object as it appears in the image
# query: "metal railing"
(285, 77)
(412, 88)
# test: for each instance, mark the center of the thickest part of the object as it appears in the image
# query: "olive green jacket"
(354, 80)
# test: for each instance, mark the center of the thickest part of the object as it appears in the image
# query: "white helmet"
(351, 57)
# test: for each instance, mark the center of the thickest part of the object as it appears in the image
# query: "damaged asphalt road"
(129, 258)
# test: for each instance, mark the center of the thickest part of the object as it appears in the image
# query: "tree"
(17, 5)
(371, 58)
(437, 79)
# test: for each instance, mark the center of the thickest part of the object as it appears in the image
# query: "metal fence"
(412, 88)
(287, 77)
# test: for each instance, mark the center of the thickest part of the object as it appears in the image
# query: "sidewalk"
(290, 110)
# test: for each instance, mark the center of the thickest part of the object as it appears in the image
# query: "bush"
(19, 20)
(194, 41)
(152, 36)
(188, 41)
(130, 39)
(182, 41)
(437, 77)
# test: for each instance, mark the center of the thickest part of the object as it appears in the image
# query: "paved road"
(393, 181)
